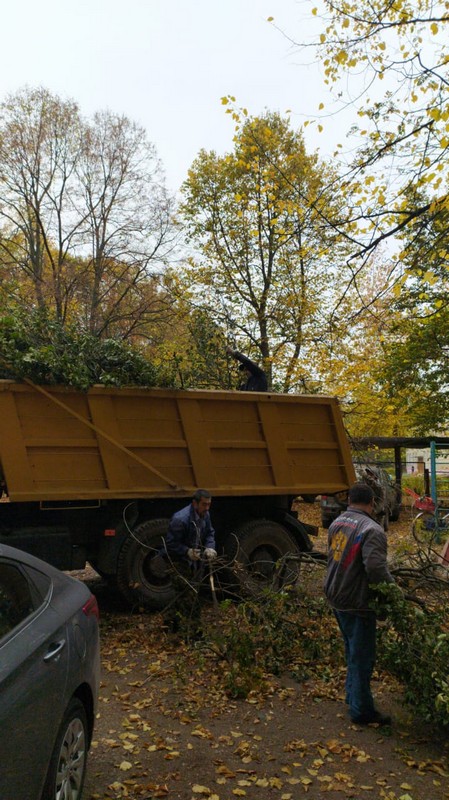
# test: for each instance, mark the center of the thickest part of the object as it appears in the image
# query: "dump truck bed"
(60, 444)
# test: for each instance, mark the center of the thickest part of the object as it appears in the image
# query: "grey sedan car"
(49, 679)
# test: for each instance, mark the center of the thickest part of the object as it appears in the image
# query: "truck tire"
(257, 551)
(143, 575)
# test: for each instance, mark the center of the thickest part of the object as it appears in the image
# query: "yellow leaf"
(125, 765)
(200, 789)
(434, 28)
(203, 733)
(239, 792)
(341, 57)
(224, 770)
(270, 19)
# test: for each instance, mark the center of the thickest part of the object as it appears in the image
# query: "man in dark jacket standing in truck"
(255, 378)
(357, 559)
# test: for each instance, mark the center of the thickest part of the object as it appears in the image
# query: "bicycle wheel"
(424, 528)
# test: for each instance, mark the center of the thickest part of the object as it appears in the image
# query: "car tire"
(257, 551)
(67, 767)
(143, 575)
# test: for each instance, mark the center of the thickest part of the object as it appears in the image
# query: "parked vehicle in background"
(388, 496)
(49, 679)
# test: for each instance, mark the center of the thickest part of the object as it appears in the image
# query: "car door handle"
(55, 650)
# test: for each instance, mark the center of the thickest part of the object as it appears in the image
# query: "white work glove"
(193, 554)
(210, 553)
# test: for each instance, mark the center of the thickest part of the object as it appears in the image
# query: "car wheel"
(143, 575)
(67, 768)
(260, 553)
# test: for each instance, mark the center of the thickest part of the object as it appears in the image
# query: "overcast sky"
(166, 64)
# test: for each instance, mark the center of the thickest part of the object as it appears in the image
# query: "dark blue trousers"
(359, 634)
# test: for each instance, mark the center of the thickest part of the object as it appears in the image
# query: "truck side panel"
(57, 443)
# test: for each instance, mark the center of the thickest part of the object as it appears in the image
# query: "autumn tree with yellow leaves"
(263, 221)
(394, 58)
(390, 62)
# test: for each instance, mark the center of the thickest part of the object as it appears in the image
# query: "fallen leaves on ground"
(167, 728)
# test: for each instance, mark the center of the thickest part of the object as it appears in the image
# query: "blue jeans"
(359, 634)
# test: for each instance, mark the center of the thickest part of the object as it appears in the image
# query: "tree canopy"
(263, 221)
(392, 58)
(85, 220)
(274, 251)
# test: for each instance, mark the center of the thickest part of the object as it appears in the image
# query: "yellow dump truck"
(96, 476)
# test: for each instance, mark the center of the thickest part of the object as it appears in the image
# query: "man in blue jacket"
(190, 533)
(190, 546)
(357, 559)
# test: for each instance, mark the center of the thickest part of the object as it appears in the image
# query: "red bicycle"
(430, 526)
